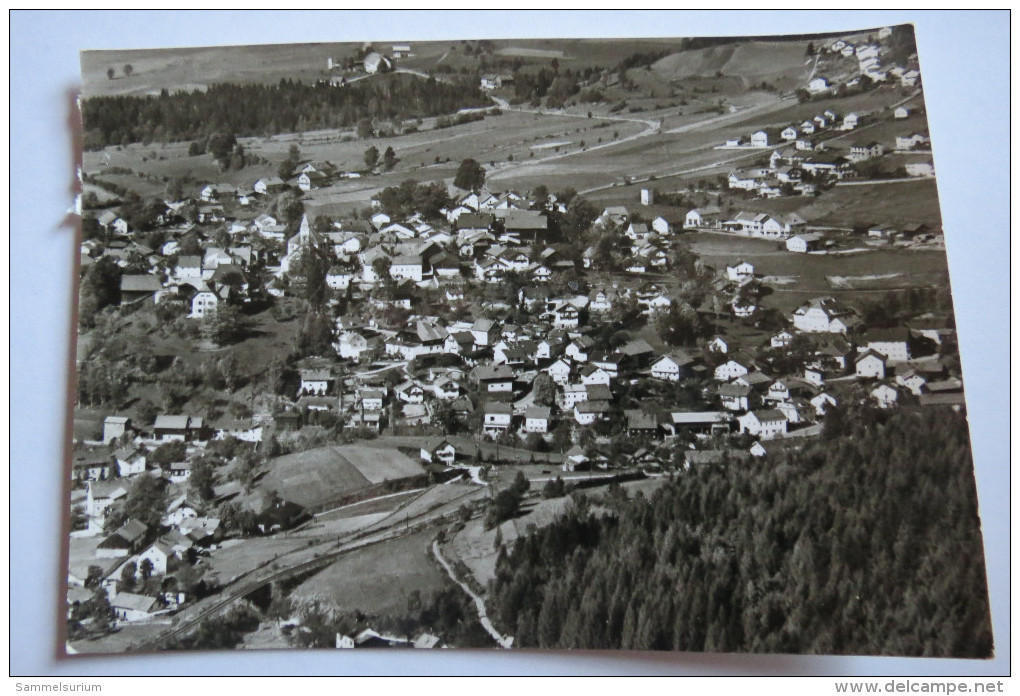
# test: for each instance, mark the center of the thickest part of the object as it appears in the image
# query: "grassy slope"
(377, 579)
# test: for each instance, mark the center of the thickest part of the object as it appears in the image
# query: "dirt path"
(483, 618)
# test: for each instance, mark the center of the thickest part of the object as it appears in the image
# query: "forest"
(867, 542)
(253, 109)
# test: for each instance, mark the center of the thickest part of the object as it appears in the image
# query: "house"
(698, 422)
(593, 374)
(901, 112)
(734, 396)
(438, 450)
(92, 465)
(671, 367)
(130, 460)
(789, 133)
(817, 85)
(640, 422)
(270, 185)
(182, 428)
(315, 381)
(179, 472)
(885, 395)
(497, 417)
(893, 343)
(804, 243)
(740, 271)
(758, 450)
(924, 169)
(123, 542)
(825, 315)
(870, 365)
(158, 554)
(765, 425)
(587, 412)
(850, 121)
(372, 399)
(822, 402)
(778, 391)
(484, 332)
(115, 427)
(559, 371)
(781, 339)
(139, 287)
(536, 419)
(728, 370)
(494, 378)
(759, 139)
(129, 607)
(862, 151)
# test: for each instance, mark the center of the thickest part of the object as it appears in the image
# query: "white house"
(498, 417)
(885, 395)
(765, 425)
(728, 370)
(739, 271)
(870, 365)
(822, 402)
(789, 133)
(536, 419)
(670, 367)
(901, 112)
(559, 371)
(803, 243)
(759, 139)
(824, 315)
(817, 85)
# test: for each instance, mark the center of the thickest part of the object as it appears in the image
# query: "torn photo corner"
(637, 344)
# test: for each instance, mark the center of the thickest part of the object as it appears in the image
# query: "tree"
(470, 176)
(389, 158)
(371, 157)
(145, 569)
(128, 70)
(127, 577)
(544, 389)
(365, 128)
(146, 501)
(225, 326)
(202, 479)
(110, 72)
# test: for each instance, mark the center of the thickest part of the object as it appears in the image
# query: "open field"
(230, 561)
(808, 275)
(316, 476)
(377, 579)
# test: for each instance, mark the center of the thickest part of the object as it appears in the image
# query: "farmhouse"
(177, 427)
(825, 315)
(803, 243)
(765, 425)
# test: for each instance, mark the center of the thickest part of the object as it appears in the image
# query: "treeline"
(289, 106)
(867, 544)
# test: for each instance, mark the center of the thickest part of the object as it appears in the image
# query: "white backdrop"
(965, 67)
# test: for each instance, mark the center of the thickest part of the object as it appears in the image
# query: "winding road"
(483, 617)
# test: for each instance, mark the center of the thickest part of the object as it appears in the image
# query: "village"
(449, 336)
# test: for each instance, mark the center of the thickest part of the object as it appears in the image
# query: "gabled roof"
(498, 408)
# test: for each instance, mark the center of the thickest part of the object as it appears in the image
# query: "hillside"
(781, 62)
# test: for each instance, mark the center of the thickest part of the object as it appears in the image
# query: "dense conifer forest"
(868, 543)
(287, 107)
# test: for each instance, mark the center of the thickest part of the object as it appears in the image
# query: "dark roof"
(140, 283)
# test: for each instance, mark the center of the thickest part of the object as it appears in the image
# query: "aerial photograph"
(604, 344)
